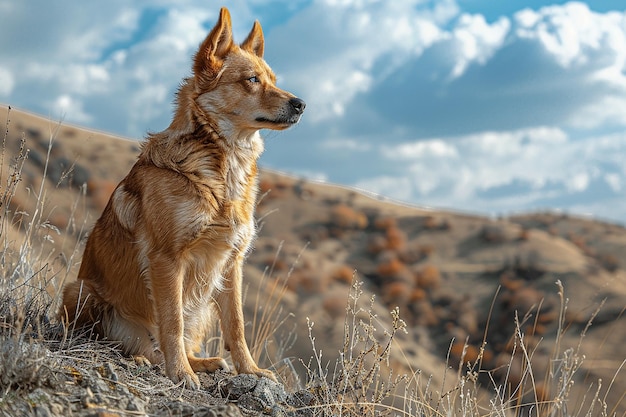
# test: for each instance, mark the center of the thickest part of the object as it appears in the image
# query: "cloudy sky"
(475, 105)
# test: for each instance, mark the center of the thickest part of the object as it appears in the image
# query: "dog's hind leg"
(136, 339)
(83, 308)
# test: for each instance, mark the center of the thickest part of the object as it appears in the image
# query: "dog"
(166, 254)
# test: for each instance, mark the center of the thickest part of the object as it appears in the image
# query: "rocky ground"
(476, 293)
(92, 379)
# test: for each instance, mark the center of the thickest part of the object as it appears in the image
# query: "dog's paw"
(208, 364)
(186, 376)
(261, 373)
(265, 373)
(190, 381)
(148, 358)
(141, 360)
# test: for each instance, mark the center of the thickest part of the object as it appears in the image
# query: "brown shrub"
(416, 253)
(384, 223)
(376, 245)
(59, 220)
(265, 185)
(312, 282)
(578, 241)
(282, 185)
(488, 356)
(276, 264)
(397, 293)
(346, 217)
(609, 262)
(430, 223)
(391, 268)
(524, 234)
(492, 233)
(293, 283)
(429, 277)
(538, 329)
(335, 305)
(457, 352)
(344, 274)
(445, 225)
(547, 317)
(396, 239)
(524, 299)
(417, 294)
(427, 250)
(509, 281)
(269, 190)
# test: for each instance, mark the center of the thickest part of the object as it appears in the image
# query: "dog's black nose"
(297, 104)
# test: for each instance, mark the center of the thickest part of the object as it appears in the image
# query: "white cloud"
(571, 32)
(338, 48)
(96, 67)
(559, 66)
(414, 99)
(614, 181)
(504, 171)
(6, 82)
(476, 40)
(435, 148)
(346, 144)
(65, 104)
(391, 187)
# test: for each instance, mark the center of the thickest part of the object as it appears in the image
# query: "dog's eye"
(254, 79)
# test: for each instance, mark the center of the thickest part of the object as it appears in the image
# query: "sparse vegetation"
(513, 358)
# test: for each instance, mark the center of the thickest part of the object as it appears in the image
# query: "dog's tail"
(82, 307)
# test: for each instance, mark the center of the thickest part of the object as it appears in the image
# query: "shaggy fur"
(170, 244)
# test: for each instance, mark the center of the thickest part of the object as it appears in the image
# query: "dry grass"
(363, 383)
(31, 277)
(34, 349)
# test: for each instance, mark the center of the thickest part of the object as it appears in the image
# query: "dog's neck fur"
(191, 142)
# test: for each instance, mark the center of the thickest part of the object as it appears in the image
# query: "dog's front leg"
(232, 323)
(166, 278)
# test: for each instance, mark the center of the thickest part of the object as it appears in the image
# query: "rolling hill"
(479, 296)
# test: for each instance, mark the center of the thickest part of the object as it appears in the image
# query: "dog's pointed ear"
(255, 42)
(216, 45)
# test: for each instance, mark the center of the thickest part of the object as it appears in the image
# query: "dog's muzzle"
(297, 105)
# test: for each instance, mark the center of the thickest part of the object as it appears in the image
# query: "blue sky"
(482, 106)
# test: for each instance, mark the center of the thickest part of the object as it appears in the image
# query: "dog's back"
(172, 239)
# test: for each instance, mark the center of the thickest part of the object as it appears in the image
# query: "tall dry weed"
(31, 272)
(363, 382)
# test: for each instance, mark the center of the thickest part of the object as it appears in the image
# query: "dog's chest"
(237, 218)
(227, 182)
(232, 225)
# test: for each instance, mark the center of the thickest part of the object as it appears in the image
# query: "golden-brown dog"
(171, 242)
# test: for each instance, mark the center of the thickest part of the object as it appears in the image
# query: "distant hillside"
(460, 281)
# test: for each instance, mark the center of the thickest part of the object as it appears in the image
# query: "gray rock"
(300, 399)
(248, 402)
(42, 410)
(238, 385)
(180, 409)
(269, 392)
(110, 373)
